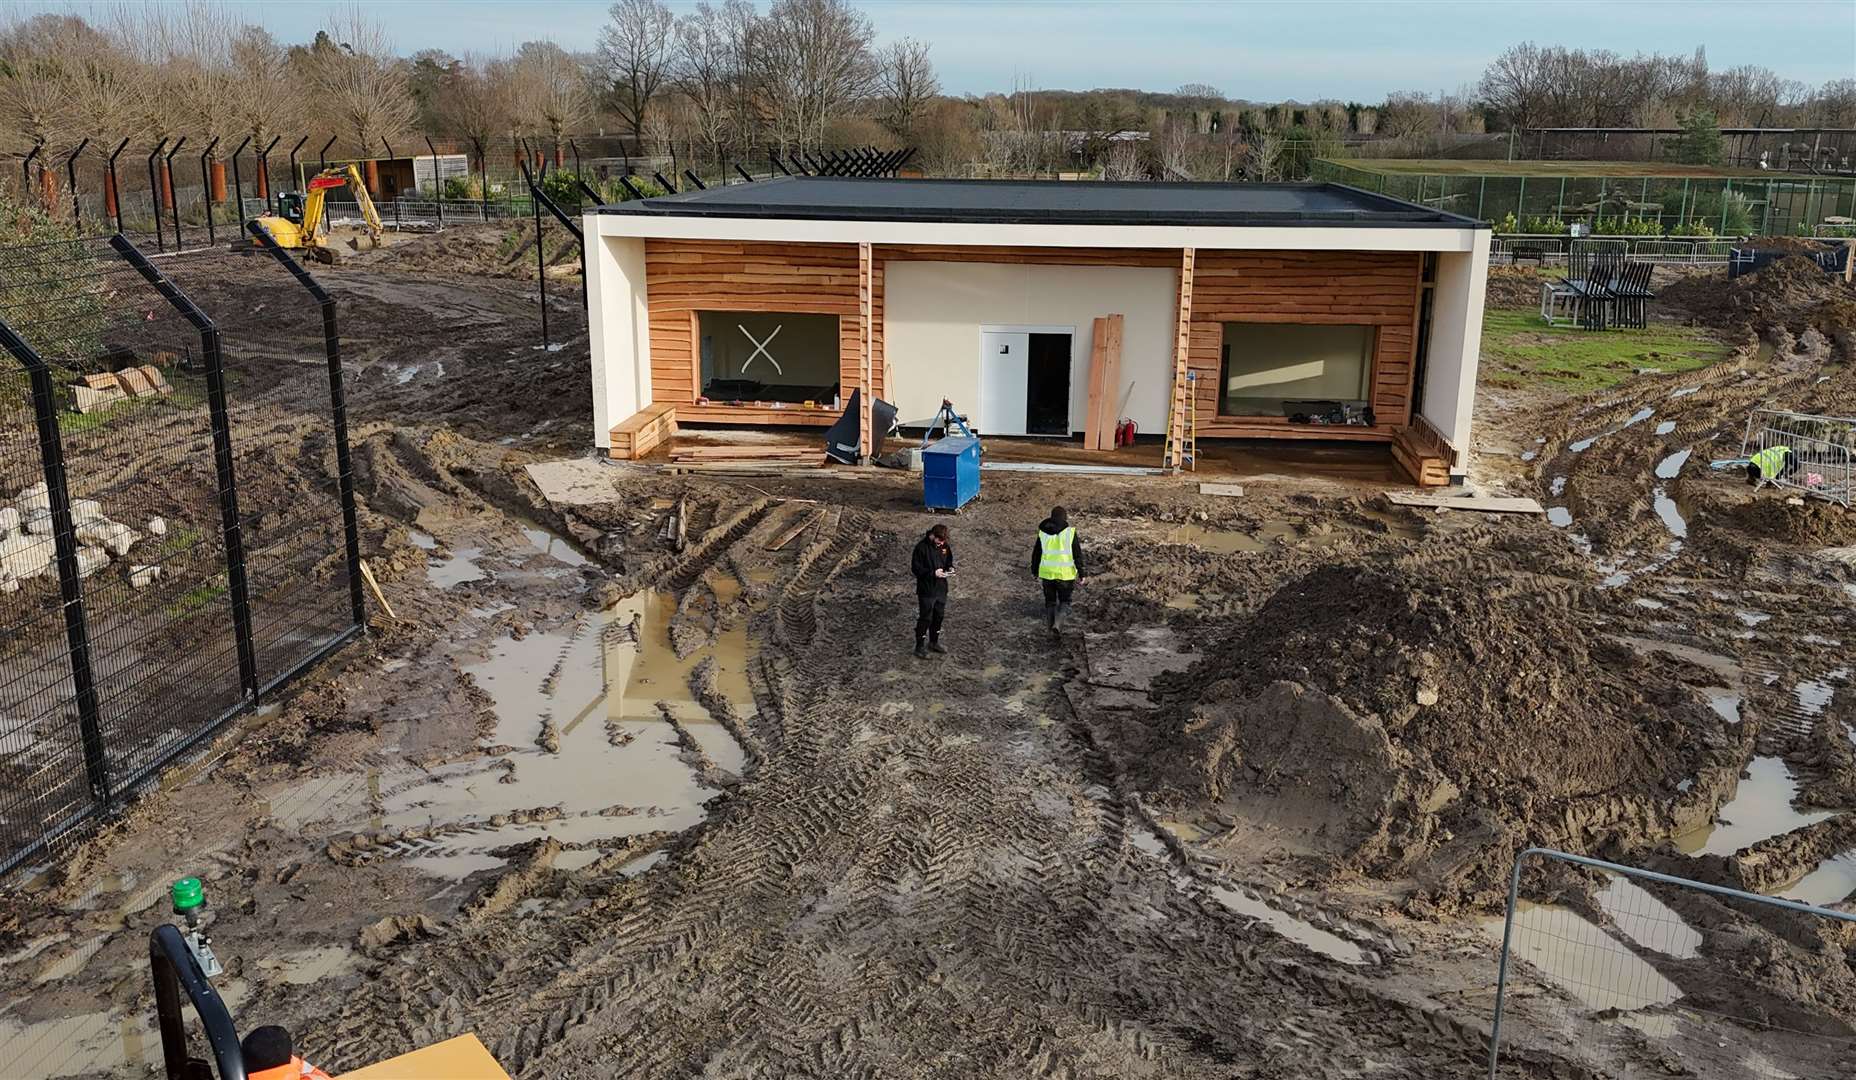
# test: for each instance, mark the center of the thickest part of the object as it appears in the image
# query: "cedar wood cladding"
(687, 276)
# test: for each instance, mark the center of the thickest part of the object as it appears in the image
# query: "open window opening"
(769, 356)
(1301, 371)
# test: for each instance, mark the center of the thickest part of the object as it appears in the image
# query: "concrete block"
(36, 497)
(9, 521)
(157, 526)
(90, 560)
(91, 400)
(112, 536)
(38, 522)
(134, 383)
(102, 380)
(25, 557)
(85, 511)
(156, 379)
(140, 577)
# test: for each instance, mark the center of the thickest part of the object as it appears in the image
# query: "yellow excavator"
(303, 225)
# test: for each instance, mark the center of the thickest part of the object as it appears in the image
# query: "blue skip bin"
(950, 472)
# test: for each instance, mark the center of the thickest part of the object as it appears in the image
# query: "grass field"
(1519, 349)
(1555, 168)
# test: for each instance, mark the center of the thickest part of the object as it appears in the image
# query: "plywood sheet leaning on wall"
(1104, 381)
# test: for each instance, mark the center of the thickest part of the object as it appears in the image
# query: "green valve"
(187, 895)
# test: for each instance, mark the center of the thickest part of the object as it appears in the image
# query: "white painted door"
(1004, 376)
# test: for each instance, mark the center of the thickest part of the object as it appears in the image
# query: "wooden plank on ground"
(806, 521)
(643, 431)
(1227, 490)
(1488, 504)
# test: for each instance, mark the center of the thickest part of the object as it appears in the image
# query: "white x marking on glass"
(760, 349)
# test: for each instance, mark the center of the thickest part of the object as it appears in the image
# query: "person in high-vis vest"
(1055, 559)
(269, 1055)
(1770, 464)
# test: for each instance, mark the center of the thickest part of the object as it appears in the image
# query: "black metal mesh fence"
(159, 571)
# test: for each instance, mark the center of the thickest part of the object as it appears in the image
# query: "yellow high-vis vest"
(1057, 562)
(1770, 461)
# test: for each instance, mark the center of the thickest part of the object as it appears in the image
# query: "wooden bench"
(643, 431)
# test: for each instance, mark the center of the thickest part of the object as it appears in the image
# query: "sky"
(1249, 49)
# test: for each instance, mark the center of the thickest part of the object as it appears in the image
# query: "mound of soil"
(1791, 292)
(1389, 713)
(1814, 523)
(1798, 245)
(1513, 287)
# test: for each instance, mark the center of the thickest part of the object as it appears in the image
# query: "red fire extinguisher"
(1124, 433)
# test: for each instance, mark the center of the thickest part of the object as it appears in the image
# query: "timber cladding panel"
(684, 277)
(1374, 288)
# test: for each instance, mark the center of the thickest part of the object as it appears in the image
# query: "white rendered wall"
(617, 330)
(932, 314)
(1456, 345)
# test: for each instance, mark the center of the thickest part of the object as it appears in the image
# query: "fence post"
(154, 193)
(238, 186)
(70, 173)
(541, 264)
(112, 194)
(438, 184)
(338, 411)
(70, 584)
(173, 189)
(1501, 978)
(211, 350)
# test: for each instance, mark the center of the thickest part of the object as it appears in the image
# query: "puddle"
(1217, 541)
(1725, 703)
(1530, 455)
(1665, 427)
(1667, 468)
(1327, 944)
(1813, 695)
(618, 771)
(1752, 618)
(1671, 514)
(555, 547)
(94, 1043)
(1579, 957)
(1636, 418)
(1760, 809)
(424, 541)
(1646, 602)
(1646, 920)
(455, 569)
(642, 863)
(309, 966)
(1831, 883)
(1559, 517)
(1558, 486)
(1685, 391)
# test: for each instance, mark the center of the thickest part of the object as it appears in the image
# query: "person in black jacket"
(932, 564)
(1056, 559)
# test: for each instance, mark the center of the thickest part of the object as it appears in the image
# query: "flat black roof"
(1047, 202)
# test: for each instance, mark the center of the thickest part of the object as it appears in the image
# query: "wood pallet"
(1421, 455)
(643, 431)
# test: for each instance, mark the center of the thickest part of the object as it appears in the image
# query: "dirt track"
(791, 849)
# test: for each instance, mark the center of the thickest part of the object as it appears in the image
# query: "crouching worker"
(1770, 465)
(269, 1055)
(1054, 559)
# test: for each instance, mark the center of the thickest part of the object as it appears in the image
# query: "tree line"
(726, 81)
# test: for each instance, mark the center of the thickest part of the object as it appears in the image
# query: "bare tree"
(551, 91)
(479, 104)
(363, 87)
(1123, 161)
(1408, 115)
(635, 51)
(702, 72)
(265, 101)
(907, 84)
(1263, 162)
(1515, 85)
(814, 61)
(36, 71)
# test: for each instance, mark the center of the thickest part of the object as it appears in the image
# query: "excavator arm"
(319, 187)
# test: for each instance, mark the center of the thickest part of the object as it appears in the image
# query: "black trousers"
(1057, 596)
(928, 621)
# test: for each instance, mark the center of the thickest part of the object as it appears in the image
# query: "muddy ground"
(624, 809)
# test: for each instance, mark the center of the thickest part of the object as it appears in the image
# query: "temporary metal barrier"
(1555, 249)
(1607, 983)
(1747, 260)
(1821, 449)
(159, 571)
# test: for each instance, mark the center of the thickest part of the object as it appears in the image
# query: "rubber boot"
(921, 652)
(934, 646)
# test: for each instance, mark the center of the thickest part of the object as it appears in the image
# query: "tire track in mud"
(918, 877)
